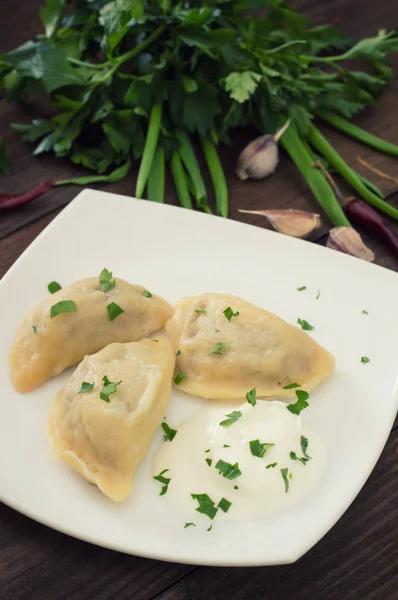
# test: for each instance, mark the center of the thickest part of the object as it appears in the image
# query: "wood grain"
(358, 558)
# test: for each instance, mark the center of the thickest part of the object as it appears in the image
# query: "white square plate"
(176, 252)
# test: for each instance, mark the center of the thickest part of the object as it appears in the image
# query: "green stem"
(180, 180)
(190, 163)
(318, 141)
(316, 180)
(369, 184)
(359, 134)
(217, 176)
(157, 176)
(149, 149)
(144, 44)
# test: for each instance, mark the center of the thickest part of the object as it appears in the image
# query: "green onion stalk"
(156, 178)
(180, 180)
(217, 176)
(151, 141)
(189, 160)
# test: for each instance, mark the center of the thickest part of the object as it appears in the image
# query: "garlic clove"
(296, 223)
(347, 240)
(261, 157)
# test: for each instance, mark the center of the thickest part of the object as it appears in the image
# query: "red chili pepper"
(363, 214)
(8, 201)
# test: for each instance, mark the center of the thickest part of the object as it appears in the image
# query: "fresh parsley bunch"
(136, 79)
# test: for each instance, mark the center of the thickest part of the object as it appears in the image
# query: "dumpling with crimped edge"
(45, 346)
(106, 441)
(225, 358)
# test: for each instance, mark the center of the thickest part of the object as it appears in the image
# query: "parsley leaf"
(300, 289)
(251, 397)
(229, 313)
(189, 525)
(228, 470)
(365, 359)
(201, 311)
(209, 461)
(271, 465)
(365, 312)
(169, 433)
(291, 386)
(53, 287)
(258, 448)
(206, 505)
(300, 404)
(179, 377)
(318, 295)
(232, 418)
(304, 324)
(242, 85)
(114, 310)
(284, 473)
(218, 348)
(164, 480)
(106, 281)
(108, 389)
(64, 306)
(303, 459)
(86, 387)
(147, 294)
(224, 504)
(178, 352)
(34, 329)
(304, 446)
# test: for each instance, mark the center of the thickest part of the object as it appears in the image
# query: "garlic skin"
(296, 223)
(261, 157)
(347, 240)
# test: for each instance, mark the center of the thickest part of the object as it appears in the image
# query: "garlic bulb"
(260, 158)
(296, 223)
(347, 240)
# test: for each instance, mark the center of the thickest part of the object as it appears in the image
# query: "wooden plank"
(357, 559)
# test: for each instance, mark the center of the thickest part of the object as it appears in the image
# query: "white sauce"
(261, 490)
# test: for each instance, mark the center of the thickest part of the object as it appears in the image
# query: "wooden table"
(358, 558)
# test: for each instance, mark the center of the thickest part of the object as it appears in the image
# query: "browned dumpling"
(44, 346)
(221, 358)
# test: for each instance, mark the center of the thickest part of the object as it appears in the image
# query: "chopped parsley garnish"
(114, 310)
(304, 445)
(147, 294)
(228, 470)
(179, 377)
(208, 450)
(365, 312)
(318, 295)
(251, 397)
(232, 418)
(284, 473)
(86, 387)
(169, 433)
(301, 403)
(300, 289)
(229, 313)
(236, 487)
(226, 446)
(206, 505)
(178, 352)
(219, 347)
(201, 311)
(53, 287)
(258, 448)
(216, 330)
(304, 324)
(365, 359)
(291, 386)
(155, 340)
(301, 459)
(271, 465)
(189, 525)
(34, 329)
(224, 504)
(209, 461)
(290, 475)
(210, 527)
(163, 480)
(108, 389)
(65, 306)
(106, 281)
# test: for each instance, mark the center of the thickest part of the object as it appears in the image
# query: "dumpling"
(106, 441)
(224, 357)
(45, 346)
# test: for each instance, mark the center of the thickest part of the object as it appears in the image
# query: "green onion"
(359, 134)
(297, 151)
(156, 177)
(187, 155)
(149, 149)
(217, 176)
(319, 142)
(180, 181)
